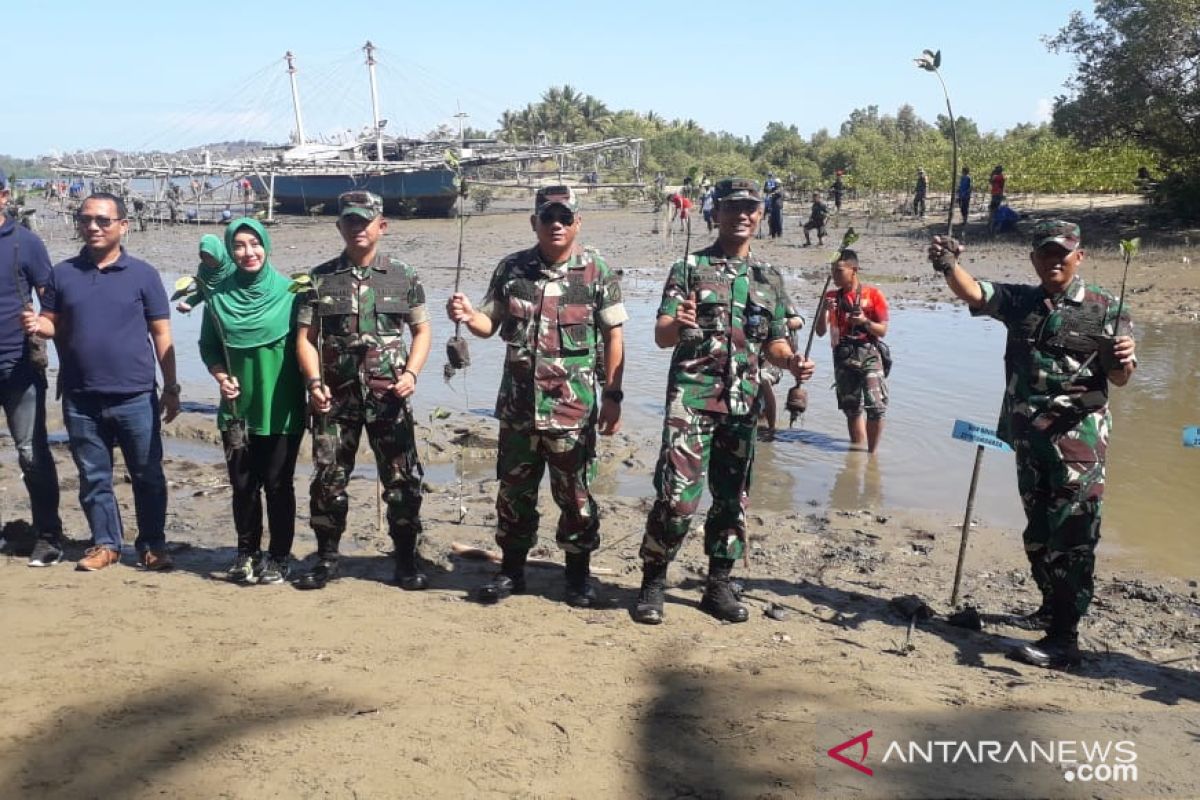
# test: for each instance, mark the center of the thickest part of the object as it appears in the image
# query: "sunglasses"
(102, 222)
(564, 218)
(747, 207)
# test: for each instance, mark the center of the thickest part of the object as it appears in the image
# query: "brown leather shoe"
(97, 558)
(156, 560)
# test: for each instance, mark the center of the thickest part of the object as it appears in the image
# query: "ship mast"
(291, 62)
(370, 50)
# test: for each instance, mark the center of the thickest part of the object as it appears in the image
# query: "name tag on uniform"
(977, 434)
(1191, 436)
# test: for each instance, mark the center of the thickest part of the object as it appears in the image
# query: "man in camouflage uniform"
(1061, 356)
(552, 304)
(363, 376)
(724, 311)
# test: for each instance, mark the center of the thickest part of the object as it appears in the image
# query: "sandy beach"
(131, 684)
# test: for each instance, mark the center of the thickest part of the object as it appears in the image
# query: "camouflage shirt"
(741, 306)
(550, 317)
(1051, 384)
(363, 314)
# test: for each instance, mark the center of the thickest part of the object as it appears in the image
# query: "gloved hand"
(944, 253)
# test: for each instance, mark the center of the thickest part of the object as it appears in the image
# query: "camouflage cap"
(555, 195)
(1056, 231)
(737, 189)
(367, 205)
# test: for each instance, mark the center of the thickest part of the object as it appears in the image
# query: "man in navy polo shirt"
(108, 315)
(24, 266)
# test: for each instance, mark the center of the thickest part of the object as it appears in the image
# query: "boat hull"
(428, 193)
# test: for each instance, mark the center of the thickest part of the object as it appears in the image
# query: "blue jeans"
(94, 423)
(23, 395)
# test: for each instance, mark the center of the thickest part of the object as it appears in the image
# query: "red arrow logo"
(835, 752)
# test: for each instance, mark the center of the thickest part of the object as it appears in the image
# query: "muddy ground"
(128, 684)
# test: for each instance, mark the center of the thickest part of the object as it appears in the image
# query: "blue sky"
(170, 75)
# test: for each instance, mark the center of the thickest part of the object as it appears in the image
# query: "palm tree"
(510, 126)
(596, 115)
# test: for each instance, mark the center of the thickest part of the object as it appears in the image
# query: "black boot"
(509, 580)
(1052, 651)
(580, 592)
(719, 598)
(409, 576)
(1059, 648)
(649, 608)
(322, 573)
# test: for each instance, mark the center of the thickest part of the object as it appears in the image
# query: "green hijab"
(210, 274)
(253, 308)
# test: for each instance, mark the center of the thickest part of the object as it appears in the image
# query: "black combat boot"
(409, 576)
(719, 598)
(322, 573)
(580, 592)
(1052, 651)
(649, 608)
(509, 580)
(1059, 648)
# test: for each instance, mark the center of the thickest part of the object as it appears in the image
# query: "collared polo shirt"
(102, 331)
(24, 266)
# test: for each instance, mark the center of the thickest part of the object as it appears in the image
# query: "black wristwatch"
(616, 395)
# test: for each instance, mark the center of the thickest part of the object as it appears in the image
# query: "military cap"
(1058, 232)
(361, 204)
(555, 195)
(737, 189)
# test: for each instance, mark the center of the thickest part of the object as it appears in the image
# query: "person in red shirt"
(857, 316)
(681, 208)
(996, 182)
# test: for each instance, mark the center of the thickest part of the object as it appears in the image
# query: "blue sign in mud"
(1191, 436)
(977, 434)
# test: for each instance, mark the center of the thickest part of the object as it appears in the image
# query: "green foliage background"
(877, 151)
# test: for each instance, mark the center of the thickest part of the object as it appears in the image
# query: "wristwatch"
(616, 395)
(171, 388)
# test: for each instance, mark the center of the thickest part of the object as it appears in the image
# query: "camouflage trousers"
(1061, 480)
(521, 463)
(859, 382)
(696, 445)
(335, 446)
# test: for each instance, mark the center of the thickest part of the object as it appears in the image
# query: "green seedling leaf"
(183, 287)
(438, 413)
(1130, 247)
(301, 282)
(849, 238)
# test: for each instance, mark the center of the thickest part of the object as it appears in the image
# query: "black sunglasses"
(564, 218)
(102, 222)
(740, 206)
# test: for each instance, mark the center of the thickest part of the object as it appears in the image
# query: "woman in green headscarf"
(215, 266)
(248, 323)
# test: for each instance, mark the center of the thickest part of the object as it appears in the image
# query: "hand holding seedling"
(685, 314)
(944, 253)
(319, 398)
(405, 385)
(230, 389)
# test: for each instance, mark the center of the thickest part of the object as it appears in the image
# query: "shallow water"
(948, 366)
